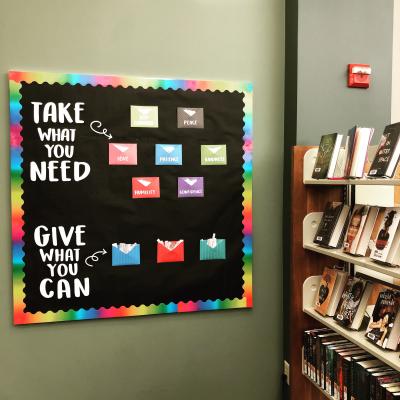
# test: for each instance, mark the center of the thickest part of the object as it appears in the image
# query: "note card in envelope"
(125, 254)
(122, 154)
(170, 251)
(168, 154)
(212, 249)
(144, 188)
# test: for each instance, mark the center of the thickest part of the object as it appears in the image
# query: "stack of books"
(337, 161)
(365, 231)
(345, 371)
(361, 303)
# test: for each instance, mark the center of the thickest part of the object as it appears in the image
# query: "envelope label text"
(190, 117)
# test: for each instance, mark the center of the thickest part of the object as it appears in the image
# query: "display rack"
(309, 197)
(310, 286)
(310, 226)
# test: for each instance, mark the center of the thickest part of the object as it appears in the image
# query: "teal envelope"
(212, 249)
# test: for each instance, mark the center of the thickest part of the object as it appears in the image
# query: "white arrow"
(98, 124)
(94, 257)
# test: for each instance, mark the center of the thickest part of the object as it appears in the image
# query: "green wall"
(215, 355)
(332, 35)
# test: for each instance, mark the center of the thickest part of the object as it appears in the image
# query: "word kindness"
(62, 263)
(59, 166)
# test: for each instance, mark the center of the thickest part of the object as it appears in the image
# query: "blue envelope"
(212, 249)
(168, 154)
(125, 254)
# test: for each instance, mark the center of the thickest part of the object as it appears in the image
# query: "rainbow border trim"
(15, 79)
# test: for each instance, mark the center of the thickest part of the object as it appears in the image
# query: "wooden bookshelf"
(308, 199)
(303, 263)
(322, 391)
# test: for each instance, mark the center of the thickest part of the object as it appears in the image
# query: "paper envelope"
(168, 154)
(190, 117)
(170, 251)
(125, 254)
(212, 249)
(191, 186)
(122, 154)
(213, 154)
(144, 116)
(146, 187)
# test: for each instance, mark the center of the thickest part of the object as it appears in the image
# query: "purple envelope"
(191, 186)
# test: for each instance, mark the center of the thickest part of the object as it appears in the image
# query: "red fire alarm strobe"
(359, 75)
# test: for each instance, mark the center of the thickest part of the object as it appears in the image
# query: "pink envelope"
(122, 154)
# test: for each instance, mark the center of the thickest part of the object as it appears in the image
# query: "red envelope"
(170, 251)
(144, 188)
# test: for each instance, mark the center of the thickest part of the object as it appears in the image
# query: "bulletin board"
(130, 196)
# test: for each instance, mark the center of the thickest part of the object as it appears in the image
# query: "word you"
(59, 167)
(59, 249)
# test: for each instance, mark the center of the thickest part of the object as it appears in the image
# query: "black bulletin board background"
(103, 201)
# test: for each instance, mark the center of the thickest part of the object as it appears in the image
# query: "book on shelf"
(324, 362)
(327, 155)
(393, 256)
(387, 154)
(330, 372)
(353, 302)
(309, 365)
(360, 376)
(349, 151)
(387, 230)
(340, 167)
(331, 230)
(330, 289)
(375, 231)
(378, 378)
(384, 390)
(344, 371)
(321, 339)
(366, 233)
(353, 378)
(340, 372)
(362, 138)
(355, 228)
(393, 392)
(384, 325)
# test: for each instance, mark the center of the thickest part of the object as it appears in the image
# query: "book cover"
(325, 291)
(355, 228)
(375, 231)
(325, 151)
(328, 222)
(386, 152)
(386, 233)
(350, 150)
(362, 246)
(383, 316)
(361, 141)
(350, 301)
(330, 369)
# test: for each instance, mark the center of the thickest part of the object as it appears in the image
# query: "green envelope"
(213, 154)
(215, 252)
(144, 116)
